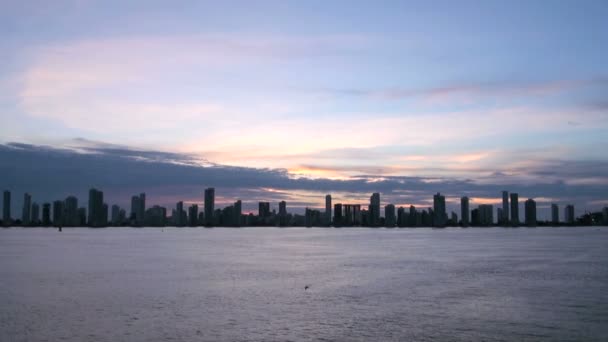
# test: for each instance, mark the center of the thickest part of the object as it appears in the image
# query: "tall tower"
(27, 207)
(95, 214)
(328, 210)
(282, 213)
(569, 214)
(238, 211)
(439, 218)
(209, 206)
(464, 211)
(554, 213)
(6, 208)
(505, 208)
(71, 212)
(530, 212)
(514, 209)
(374, 209)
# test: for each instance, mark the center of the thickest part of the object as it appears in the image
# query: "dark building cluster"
(68, 213)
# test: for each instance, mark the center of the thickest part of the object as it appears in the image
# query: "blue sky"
(491, 91)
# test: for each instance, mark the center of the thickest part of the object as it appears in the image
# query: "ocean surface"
(248, 284)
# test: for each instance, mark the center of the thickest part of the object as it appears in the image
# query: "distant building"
(238, 212)
(504, 220)
(530, 212)
(35, 220)
(115, 215)
(514, 209)
(46, 214)
(27, 207)
(338, 219)
(414, 218)
(499, 215)
(283, 213)
(6, 208)
(179, 214)
(464, 211)
(454, 218)
(569, 214)
(374, 210)
(486, 214)
(96, 209)
(71, 212)
(440, 216)
(554, 213)
(605, 215)
(209, 206)
(389, 216)
(327, 210)
(58, 213)
(193, 215)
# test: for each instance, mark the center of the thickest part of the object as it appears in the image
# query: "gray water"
(172, 284)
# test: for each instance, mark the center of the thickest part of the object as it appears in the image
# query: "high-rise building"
(554, 213)
(193, 215)
(27, 208)
(327, 210)
(103, 220)
(6, 208)
(569, 214)
(504, 220)
(338, 219)
(374, 209)
(389, 215)
(440, 216)
(514, 209)
(179, 214)
(135, 206)
(96, 211)
(605, 215)
(464, 211)
(413, 217)
(263, 209)
(115, 215)
(71, 212)
(238, 212)
(46, 214)
(282, 213)
(35, 220)
(486, 214)
(58, 213)
(499, 215)
(209, 206)
(530, 212)
(454, 218)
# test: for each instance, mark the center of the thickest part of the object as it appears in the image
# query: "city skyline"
(68, 213)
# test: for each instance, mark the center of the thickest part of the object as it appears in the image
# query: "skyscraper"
(530, 212)
(464, 211)
(328, 210)
(35, 220)
(338, 219)
(179, 214)
(71, 212)
(389, 215)
(413, 217)
(95, 211)
(115, 215)
(58, 209)
(505, 209)
(486, 214)
(514, 209)
(554, 213)
(569, 214)
(6, 208)
(238, 212)
(440, 216)
(27, 207)
(193, 215)
(141, 210)
(209, 206)
(46, 214)
(374, 209)
(282, 213)
(263, 209)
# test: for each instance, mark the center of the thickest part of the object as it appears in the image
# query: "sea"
(304, 284)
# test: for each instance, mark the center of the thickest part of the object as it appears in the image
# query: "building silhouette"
(440, 215)
(514, 209)
(209, 206)
(327, 210)
(504, 218)
(374, 210)
(27, 207)
(569, 214)
(530, 212)
(464, 211)
(390, 219)
(554, 213)
(486, 214)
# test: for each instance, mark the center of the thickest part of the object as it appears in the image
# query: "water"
(123, 284)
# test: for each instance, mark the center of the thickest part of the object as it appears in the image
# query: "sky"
(294, 99)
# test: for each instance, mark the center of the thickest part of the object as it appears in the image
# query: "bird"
(306, 287)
